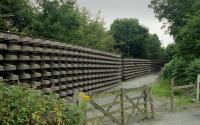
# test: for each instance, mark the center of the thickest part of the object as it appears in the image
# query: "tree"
(134, 40)
(57, 21)
(183, 17)
(188, 39)
(15, 15)
(153, 47)
(170, 51)
(129, 36)
(173, 11)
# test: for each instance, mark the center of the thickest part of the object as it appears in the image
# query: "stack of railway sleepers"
(133, 68)
(48, 65)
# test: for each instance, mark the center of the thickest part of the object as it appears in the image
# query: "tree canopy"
(183, 17)
(134, 40)
(183, 21)
(172, 11)
(65, 21)
(56, 19)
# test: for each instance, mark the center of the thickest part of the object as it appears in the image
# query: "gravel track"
(189, 116)
(186, 117)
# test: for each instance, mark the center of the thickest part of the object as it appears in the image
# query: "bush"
(20, 106)
(183, 71)
(176, 68)
(193, 70)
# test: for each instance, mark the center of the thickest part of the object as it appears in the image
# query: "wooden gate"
(121, 107)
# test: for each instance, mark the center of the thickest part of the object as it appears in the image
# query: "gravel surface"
(138, 82)
(145, 80)
(189, 116)
(186, 117)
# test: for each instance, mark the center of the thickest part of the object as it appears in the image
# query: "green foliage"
(183, 17)
(134, 40)
(55, 19)
(153, 47)
(188, 39)
(161, 89)
(170, 51)
(174, 11)
(176, 68)
(15, 15)
(193, 70)
(163, 54)
(184, 72)
(129, 36)
(19, 105)
(96, 36)
(183, 23)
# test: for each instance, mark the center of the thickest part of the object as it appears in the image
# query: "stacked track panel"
(53, 66)
(133, 68)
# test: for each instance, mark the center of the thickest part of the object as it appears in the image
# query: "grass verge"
(161, 90)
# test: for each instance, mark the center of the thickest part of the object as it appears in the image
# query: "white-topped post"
(198, 82)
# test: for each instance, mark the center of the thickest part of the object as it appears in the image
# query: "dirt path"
(186, 117)
(145, 80)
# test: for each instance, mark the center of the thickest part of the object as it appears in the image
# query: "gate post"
(75, 98)
(122, 105)
(122, 72)
(198, 82)
(172, 94)
(145, 101)
(151, 103)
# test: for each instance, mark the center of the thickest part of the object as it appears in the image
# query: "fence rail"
(124, 106)
(182, 87)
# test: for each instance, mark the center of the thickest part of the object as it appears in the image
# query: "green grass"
(161, 89)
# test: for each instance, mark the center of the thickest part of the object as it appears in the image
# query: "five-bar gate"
(121, 107)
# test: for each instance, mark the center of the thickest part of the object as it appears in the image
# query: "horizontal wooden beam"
(184, 86)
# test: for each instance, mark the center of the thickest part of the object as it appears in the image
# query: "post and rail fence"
(176, 88)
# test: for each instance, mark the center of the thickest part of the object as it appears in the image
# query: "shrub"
(176, 68)
(193, 70)
(20, 106)
(184, 72)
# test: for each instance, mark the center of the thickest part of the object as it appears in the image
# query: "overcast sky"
(112, 9)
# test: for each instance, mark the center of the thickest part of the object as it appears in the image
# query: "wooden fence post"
(122, 105)
(198, 82)
(145, 101)
(151, 103)
(122, 72)
(75, 99)
(172, 94)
